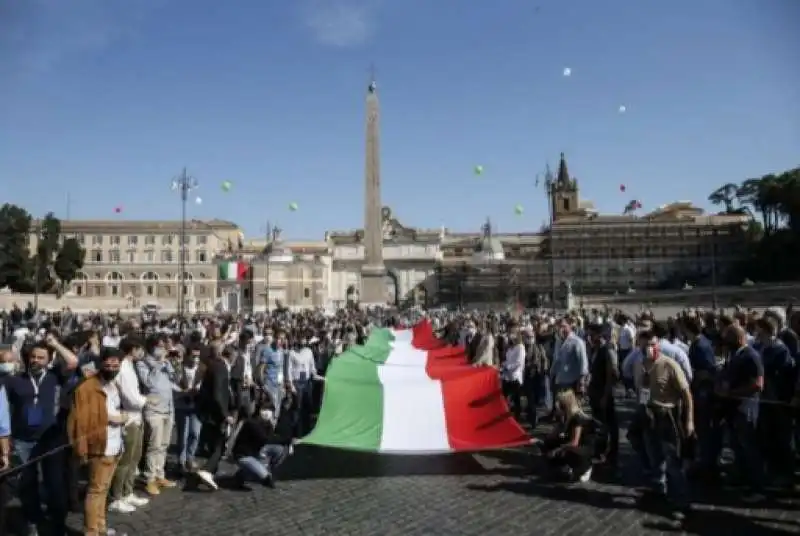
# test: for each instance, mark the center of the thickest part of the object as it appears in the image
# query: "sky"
(103, 102)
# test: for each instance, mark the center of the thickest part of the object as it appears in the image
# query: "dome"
(489, 249)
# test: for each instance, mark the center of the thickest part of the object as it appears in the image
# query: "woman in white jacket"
(513, 371)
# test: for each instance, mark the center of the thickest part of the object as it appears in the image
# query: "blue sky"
(106, 100)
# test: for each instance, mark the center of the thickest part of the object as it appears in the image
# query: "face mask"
(109, 375)
(267, 415)
(159, 353)
(7, 368)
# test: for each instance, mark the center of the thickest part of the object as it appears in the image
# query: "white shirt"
(111, 341)
(114, 433)
(132, 399)
(514, 364)
(626, 336)
(302, 367)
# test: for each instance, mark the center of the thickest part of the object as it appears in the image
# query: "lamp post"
(268, 249)
(183, 184)
(549, 188)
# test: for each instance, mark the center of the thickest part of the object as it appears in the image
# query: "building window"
(113, 256)
(150, 256)
(201, 290)
(131, 257)
(166, 256)
(246, 294)
(114, 290)
(166, 240)
(115, 240)
(200, 256)
(565, 204)
(149, 290)
(79, 290)
(133, 240)
(150, 240)
(80, 238)
(306, 292)
(97, 240)
(202, 240)
(97, 256)
(186, 239)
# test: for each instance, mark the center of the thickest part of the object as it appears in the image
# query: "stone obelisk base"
(373, 286)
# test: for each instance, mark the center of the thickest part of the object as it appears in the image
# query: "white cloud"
(341, 23)
(37, 35)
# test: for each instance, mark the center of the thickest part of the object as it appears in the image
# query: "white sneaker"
(586, 476)
(208, 478)
(135, 500)
(121, 507)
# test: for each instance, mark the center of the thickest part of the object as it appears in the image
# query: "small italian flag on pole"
(233, 271)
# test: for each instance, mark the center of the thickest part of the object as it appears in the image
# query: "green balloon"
(226, 186)
(293, 206)
(518, 210)
(478, 170)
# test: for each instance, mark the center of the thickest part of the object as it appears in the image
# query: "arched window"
(114, 281)
(80, 284)
(149, 281)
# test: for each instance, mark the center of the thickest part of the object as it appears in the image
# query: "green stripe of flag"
(352, 407)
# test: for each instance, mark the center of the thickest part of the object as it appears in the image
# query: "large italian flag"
(233, 271)
(405, 391)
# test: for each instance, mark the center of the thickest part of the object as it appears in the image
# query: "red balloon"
(621, 187)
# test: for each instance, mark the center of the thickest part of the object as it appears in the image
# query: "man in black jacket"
(604, 369)
(262, 444)
(215, 409)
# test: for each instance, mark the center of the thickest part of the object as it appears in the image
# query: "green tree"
(15, 264)
(69, 261)
(47, 246)
(773, 201)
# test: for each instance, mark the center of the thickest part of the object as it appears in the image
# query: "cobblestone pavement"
(333, 493)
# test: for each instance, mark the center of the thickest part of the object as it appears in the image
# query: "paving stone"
(323, 492)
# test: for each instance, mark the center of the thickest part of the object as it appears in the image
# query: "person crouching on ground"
(262, 445)
(569, 448)
(95, 426)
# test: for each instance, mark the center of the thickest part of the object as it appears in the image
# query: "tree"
(773, 201)
(69, 261)
(16, 270)
(725, 195)
(47, 247)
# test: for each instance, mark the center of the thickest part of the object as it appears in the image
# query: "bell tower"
(564, 198)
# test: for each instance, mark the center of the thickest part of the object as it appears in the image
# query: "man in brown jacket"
(95, 426)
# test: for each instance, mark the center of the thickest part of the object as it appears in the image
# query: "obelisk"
(373, 271)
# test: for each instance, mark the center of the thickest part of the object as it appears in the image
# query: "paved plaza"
(329, 493)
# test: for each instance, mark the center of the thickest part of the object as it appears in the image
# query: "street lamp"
(183, 184)
(550, 190)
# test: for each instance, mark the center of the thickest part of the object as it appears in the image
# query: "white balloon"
(199, 200)
(623, 109)
(567, 71)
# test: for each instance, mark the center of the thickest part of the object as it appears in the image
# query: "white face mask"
(268, 415)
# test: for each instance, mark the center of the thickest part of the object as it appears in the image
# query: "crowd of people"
(99, 397)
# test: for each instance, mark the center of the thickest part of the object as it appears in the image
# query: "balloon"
(293, 206)
(623, 109)
(622, 188)
(478, 170)
(226, 186)
(567, 71)
(518, 210)
(118, 209)
(199, 200)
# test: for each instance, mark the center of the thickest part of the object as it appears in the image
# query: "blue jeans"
(276, 394)
(188, 431)
(258, 469)
(661, 444)
(52, 466)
